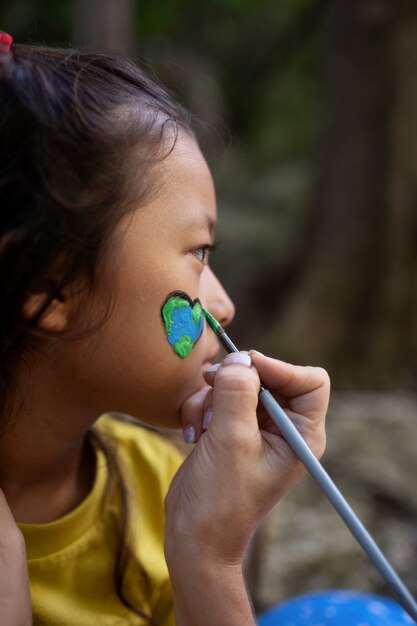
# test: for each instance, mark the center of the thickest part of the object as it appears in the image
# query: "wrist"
(186, 563)
(187, 546)
(206, 592)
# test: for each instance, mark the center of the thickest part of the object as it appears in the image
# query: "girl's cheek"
(183, 322)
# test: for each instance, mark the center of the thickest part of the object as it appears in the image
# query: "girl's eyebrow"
(211, 223)
(204, 221)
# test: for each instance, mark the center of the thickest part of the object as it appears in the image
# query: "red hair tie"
(6, 41)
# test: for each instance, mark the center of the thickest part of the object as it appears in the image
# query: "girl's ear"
(54, 319)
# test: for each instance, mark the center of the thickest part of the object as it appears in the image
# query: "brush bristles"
(213, 323)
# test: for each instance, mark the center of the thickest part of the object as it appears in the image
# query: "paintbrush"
(317, 471)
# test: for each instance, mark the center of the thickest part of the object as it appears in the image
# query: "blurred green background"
(311, 133)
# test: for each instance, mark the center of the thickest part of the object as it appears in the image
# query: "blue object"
(183, 324)
(337, 608)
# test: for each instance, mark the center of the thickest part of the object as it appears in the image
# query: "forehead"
(182, 208)
(187, 184)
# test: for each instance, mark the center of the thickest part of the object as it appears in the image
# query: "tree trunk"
(327, 320)
(394, 341)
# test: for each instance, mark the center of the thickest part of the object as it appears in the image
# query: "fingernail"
(189, 434)
(257, 352)
(212, 368)
(207, 417)
(238, 358)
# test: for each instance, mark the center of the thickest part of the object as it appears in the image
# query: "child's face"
(129, 365)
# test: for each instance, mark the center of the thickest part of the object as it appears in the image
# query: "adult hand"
(15, 606)
(241, 465)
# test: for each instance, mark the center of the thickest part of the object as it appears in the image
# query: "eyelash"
(205, 250)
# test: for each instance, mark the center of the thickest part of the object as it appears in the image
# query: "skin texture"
(240, 466)
(126, 365)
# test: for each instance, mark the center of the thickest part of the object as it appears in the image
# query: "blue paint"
(183, 324)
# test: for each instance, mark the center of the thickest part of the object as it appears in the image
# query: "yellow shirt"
(71, 560)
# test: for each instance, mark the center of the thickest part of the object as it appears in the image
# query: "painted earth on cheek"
(183, 322)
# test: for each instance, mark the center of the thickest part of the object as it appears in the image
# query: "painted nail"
(189, 434)
(207, 418)
(238, 358)
(257, 352)
(212, 369)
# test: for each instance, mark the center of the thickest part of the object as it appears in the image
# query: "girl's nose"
(215, 298)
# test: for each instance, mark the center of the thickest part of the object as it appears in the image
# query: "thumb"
(235, 394)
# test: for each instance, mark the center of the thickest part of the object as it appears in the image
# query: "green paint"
(176, 302)
(212, 322)
(184, 346)
(183, 322)
(196, 312)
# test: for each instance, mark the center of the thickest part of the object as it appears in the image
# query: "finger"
(210, 373)
(289, 380)
(6, 518)
(15, 605)
(11, 538)
(235, 396)
(208, 409)
(312, 431)
(192, 414)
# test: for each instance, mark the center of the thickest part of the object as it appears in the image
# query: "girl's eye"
(202, 252)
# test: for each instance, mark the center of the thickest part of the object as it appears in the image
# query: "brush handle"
(317, 471)
(226, 342)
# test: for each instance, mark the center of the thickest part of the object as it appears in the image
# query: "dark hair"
(80, 133)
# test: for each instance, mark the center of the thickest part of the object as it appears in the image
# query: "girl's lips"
(210, 361)
(213, 358)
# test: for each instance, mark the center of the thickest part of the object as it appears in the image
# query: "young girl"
(107, 216)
